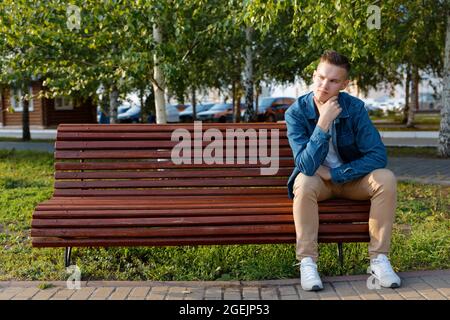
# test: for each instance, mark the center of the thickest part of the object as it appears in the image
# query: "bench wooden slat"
(169, 173)
(121, 135)
(165, 164)
(138, 144)
(242, 239)
(177, 221)
(149, 154)
(166, 127)
(69, 214)
(188, 231)
(219, 182)
(180, 193)
(104, 214)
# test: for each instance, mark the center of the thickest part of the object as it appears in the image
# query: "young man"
(338, 153)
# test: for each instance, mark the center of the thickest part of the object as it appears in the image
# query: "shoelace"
(384, 265)
(309, 271)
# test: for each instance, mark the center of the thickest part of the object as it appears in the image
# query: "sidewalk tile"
(82, 294)
(232, 294)
(157, 293)
(101, 293)
(45, 294)
(250, 293)
(10, 292)
(195, 293)
(26, 294)
(345, 291)
(269, 293)
(176, 293)
(364, 292)
(288, 293)
(213, 293)
(328, 292)
(63, 294)
(306, 295)
(138, 293)
(439, 284)
(423, 288)
(121, 293)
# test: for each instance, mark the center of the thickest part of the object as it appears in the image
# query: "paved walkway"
(418, 285)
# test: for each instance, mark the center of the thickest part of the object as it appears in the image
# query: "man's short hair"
(336, 59)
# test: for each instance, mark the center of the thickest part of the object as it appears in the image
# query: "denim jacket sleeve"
(308, 151)
(370, 145)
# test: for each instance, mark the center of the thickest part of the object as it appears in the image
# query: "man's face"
(329, 79)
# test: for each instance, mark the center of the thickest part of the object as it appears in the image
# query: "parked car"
(217, 113)
(272, 109)
(187, 114)
(133, 115)
(429, 101)
(243, 108)
(104, 119)
(180, 107)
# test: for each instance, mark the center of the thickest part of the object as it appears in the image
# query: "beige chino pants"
(380, 186)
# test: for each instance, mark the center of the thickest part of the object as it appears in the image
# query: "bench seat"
(115, 186)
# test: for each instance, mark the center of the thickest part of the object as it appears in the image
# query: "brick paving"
(416, 285)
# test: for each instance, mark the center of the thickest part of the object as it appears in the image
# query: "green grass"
(420, 239)
(422, 152)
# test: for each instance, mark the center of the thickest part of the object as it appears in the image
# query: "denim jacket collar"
(311, 111)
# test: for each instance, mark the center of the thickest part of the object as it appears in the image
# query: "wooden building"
(44, 113)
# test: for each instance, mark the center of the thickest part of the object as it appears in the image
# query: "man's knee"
(385, 178)
(307, 185)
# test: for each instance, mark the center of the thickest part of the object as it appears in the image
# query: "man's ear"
(345, 84)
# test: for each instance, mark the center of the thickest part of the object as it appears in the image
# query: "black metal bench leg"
(341, 257)
(67, 253)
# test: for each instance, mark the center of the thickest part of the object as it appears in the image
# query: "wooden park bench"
(116, 185)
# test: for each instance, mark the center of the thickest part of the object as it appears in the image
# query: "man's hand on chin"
(324, 173)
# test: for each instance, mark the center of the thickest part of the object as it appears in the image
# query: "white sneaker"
(381, 269)
(309, 276)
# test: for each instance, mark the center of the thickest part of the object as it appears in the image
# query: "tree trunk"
(150, 105)
(237, 112)
(233, 99)
(257, 93)
(159, 81)
(144, 111)
(414, 106)
(26, 135)
(444, 133)
(407, 91)
(194, 105)
(248, 82)
(113, 104)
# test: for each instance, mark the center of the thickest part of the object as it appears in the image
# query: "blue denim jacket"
(355, 138)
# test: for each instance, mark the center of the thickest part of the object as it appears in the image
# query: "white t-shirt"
(332, 160)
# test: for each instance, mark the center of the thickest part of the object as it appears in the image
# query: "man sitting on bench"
(338, 153)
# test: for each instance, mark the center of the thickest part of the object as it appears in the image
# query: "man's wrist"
(324, 125)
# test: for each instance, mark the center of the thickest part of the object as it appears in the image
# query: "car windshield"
(222, 106)
(265, 103)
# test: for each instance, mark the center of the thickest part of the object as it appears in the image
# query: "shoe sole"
(314, 288)
(393, 285)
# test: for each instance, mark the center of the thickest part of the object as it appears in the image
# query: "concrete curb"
(226, 284)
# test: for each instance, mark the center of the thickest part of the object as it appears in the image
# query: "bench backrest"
(136, 160)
